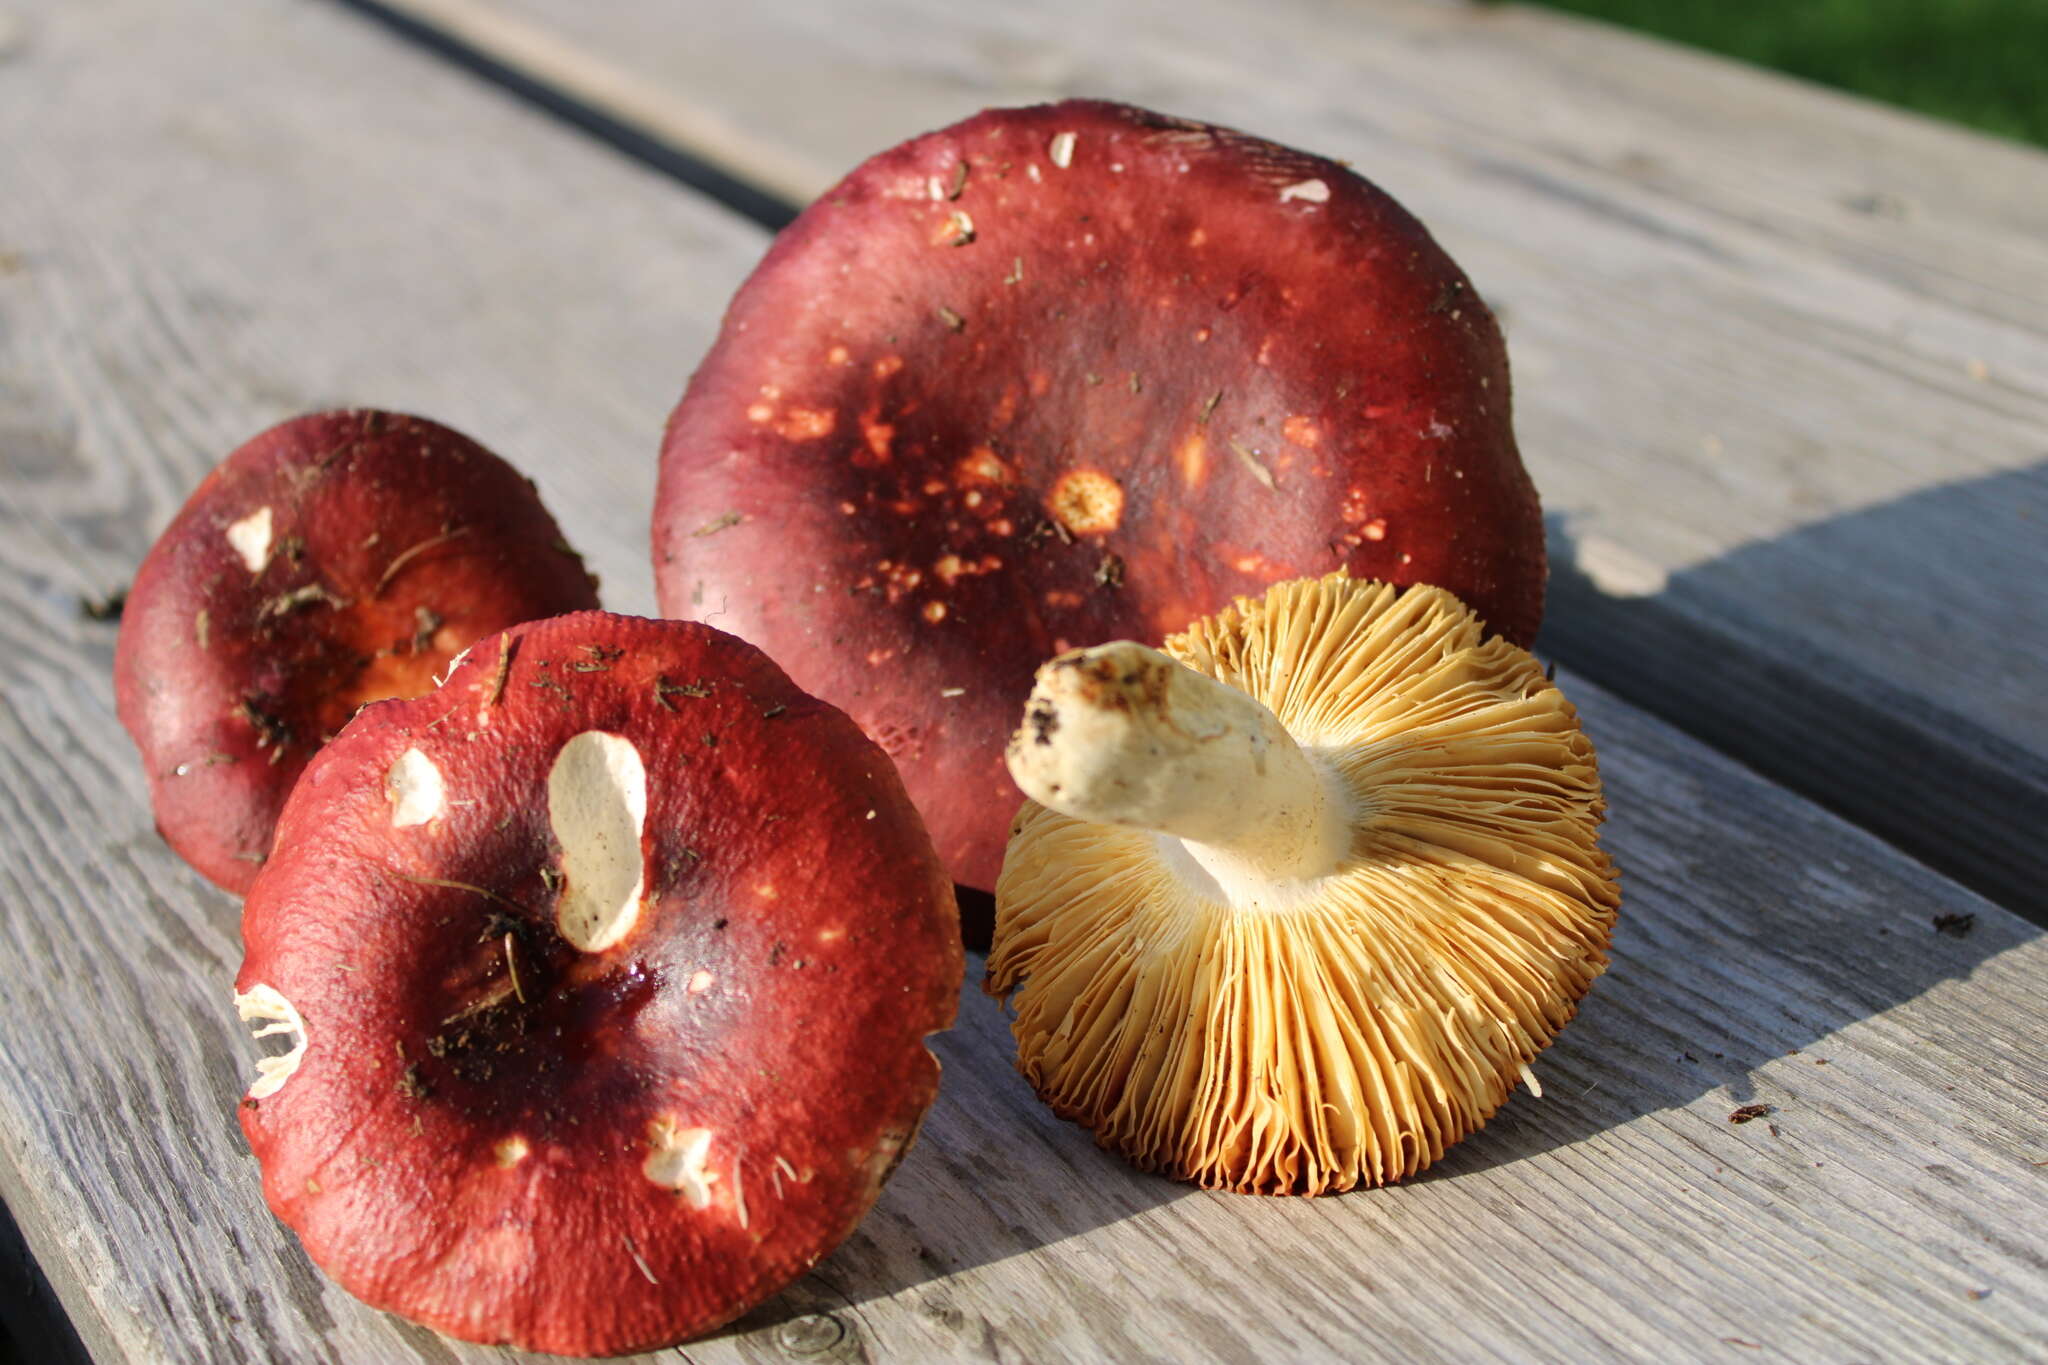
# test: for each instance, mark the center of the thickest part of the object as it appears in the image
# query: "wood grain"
(1780, 353)
(222, 216)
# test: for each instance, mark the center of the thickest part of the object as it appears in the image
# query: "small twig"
(717, 524)
(1251, 462)
(457, 886)
(634, 1252)
(404, 557)
(664, 689)
(502, 672)
(512, 969)
(299, 597)
(489, 1001)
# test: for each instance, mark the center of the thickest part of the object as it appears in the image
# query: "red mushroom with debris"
(337, 559)
(1064, 374)
(606, 972)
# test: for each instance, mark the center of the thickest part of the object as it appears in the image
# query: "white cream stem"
(1122, 734)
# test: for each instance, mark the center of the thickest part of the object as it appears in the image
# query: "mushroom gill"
(1236, 1012)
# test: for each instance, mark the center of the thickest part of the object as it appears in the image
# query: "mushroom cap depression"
(1304, 1036)
(1073, 373)
(607, 970)
(336, 559)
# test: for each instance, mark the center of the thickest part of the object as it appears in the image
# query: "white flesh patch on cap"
(597, 807)
(1314, 191)
(250, 538)
(413, 786)
(1061, 152)
(510, 1151)
(677, 1161)
(264, 1002)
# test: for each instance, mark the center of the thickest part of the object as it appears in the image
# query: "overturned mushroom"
(608, 968)
(1294, 913)
(1068, 374)
(337, 559)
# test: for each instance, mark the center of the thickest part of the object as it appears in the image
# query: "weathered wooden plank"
(222, 216)
(214, 217)
(1780, 354)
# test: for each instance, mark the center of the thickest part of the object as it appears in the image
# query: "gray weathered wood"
(1780, 354)
(222, 217)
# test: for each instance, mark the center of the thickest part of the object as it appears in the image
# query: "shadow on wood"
(1738, 945)
(1940, 567)
(993, 1175)
(33, 1328)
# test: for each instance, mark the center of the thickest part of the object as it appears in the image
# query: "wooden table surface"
(1782, 376)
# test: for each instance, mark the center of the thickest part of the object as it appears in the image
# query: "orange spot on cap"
(982, 465)
(1087, 502)
(934, 612)
(808, 424)
(1193, 459)
(879, 435)
(887, 366)
(1302, 431)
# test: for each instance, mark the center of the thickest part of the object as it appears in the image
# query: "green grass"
(1978, 62)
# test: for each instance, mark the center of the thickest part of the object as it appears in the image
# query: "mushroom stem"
(1121, 734)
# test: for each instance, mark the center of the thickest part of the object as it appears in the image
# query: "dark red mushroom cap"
(1073, 373)
(336, 559)
(608, 969)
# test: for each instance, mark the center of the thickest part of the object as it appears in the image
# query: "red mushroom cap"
(336, 559)
(608, 969)
(1075, 373)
